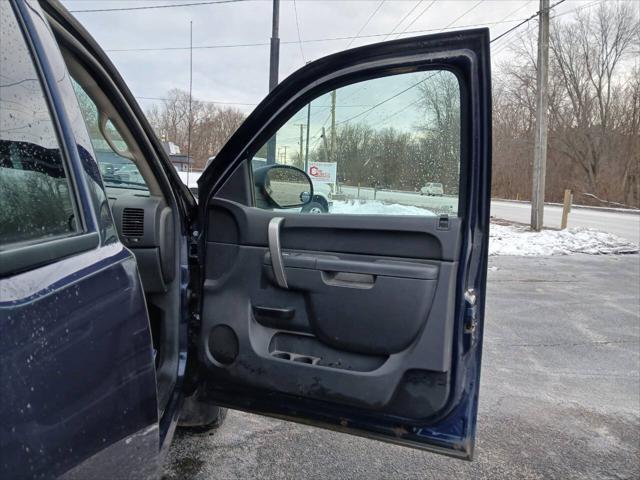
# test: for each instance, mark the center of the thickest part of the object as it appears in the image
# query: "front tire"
(315, 207)
(216, 416)
(200, 416)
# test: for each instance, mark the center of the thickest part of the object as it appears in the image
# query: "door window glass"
(386, 146)
(35, 192)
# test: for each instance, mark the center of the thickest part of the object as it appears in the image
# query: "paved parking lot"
(560, 393)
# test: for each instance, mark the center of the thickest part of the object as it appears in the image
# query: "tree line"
(388, 157)
(594, 109)
(211, 125)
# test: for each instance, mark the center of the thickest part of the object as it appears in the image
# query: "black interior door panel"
(363, 320)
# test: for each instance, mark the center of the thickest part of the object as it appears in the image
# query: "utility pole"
(301, 157)
(332, 155)
(306, 151)
(326, 148)
(190, 103)
(540, 150)
(274, 57)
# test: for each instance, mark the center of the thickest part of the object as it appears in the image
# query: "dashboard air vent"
(133, 222)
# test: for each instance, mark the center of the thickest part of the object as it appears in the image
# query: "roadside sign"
(323, 172)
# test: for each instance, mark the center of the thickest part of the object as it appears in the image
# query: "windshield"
(117, 170)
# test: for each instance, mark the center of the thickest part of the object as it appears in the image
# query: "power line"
(366, 23)
(398, 112)
(165, 99)
(384, 101)
(202, 101)
(315, 40)
(403, 19)
(421, 81)
(371, 108)
(582, 7)
(153, 7)
(505, 45)
(295, 9)
(416, 18)
(411, 104)
(424, 80)
(525, 21)
(516, 10)
(507, 42)
(446, 27)
(464, 14)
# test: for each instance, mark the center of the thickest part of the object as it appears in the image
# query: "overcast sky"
(239, 74)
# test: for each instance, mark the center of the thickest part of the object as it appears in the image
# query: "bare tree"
(587, 55)
(211, 126)
(441, 128)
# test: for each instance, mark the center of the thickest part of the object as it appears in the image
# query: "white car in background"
(432, 189)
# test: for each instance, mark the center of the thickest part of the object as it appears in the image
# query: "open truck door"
(370, 324)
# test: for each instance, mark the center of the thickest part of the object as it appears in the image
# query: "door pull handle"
(276, 252)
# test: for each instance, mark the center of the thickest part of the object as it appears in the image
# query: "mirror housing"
(282, 186)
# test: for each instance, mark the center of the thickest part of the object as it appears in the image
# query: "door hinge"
(470, 312)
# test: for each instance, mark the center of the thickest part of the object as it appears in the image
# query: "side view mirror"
(283, 186)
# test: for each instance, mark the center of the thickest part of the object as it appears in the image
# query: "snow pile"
(376, 207)
(520, 240)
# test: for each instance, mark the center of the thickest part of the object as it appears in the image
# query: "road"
(625, 225)
(559, 396)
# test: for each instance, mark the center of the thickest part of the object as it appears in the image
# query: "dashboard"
(145, 226)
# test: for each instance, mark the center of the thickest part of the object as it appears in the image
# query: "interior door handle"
(275, 251)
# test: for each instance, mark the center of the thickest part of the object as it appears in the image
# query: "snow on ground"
(375, 207)
(511, 239)
(520, 240)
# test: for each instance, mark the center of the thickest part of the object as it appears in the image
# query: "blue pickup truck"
(128, 309)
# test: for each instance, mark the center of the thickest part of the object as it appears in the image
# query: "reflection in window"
(389, 145)
(35, 194)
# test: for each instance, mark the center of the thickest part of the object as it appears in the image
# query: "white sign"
(324, 172)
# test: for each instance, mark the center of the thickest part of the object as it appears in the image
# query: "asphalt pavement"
(560, 392)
